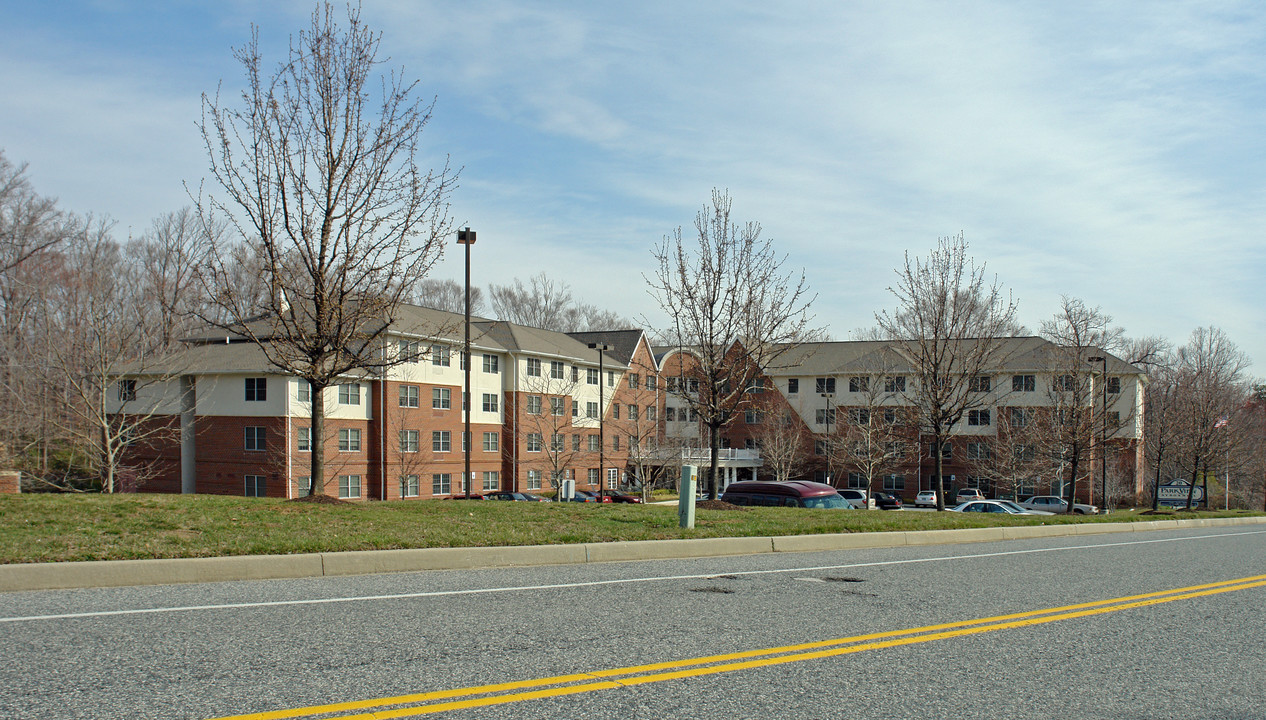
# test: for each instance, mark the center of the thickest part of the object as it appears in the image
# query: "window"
(859, 384)
(635, 380)
(1114, 420)
(575, 443)
(255, 486)
(857, 481)
(591, 409)
(594, 444)
(793, 386)
(859, 416)
(979, 383)
(127, 390)
(947, 451)
(556, 370)
(492, 442)
(490, 403)
(492, 481)
(895, 383)
(534, 442)
(441, 398)
(441, 441)
(440, 356)
(593, 476)
(825, 385)
(1023, 383)
(615, 411)
(408, 441)
(894, 483)
(819, 447)
(1025, 453)
(410, 350)
(1020, 417)
(409, 486)
(670, 414)
(349, 440)
(575, 374)
(533, 479)
(650, 413)
(305, 391)
(255, 438)
(610, 378)
(895, 449)
(557, 443)
(409, 396)
(615, 443)
(824, 416)
(575, 408)
(757, 386)
(890, 416)
(533, 367)
(979, 451)
(753, 417)
(632, 412)
(534, 405)
(465, 442)
(652, 382)
(1114, 386)
(1063, 383)
(978, 417)
(349, 394)
(591, 376)
(256, 389)
(441, 484)
(305, 439)
(349, 486)
(613, 477)
(304, 484)
(492, 364)
(557, 406)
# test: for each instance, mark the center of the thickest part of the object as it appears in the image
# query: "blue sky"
(1109, 151)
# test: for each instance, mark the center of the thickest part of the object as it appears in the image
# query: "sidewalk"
(116, 573)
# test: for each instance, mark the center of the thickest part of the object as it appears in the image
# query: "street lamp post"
(602, 441)
(827, 446)
(467, 237)
(1103, 432)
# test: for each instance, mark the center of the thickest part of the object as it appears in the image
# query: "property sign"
(1176, 491)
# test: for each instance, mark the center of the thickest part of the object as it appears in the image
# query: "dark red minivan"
(793, 493)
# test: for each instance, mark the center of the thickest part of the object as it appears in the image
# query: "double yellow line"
(559, 685)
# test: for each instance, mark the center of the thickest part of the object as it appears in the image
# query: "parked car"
(1018, 508)
(857, 498)
(589, 496)
(927, 498)
(519, 496)
(794, 493)
(966, 494)
(1056, 504)
(473, 496)
(989, 506)
(887, 501)
(616, 496)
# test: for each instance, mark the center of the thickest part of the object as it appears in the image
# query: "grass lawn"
(51, 528)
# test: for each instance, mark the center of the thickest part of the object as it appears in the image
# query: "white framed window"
(441, 484)
(650, 413)
(613, 478)
(492, 481)
(825, 385)
(408, 441)
(409, 486)
(575, 443)
(255, 486)
(349, 394)
(894, 483)
(591, 376)
(1114, 386)
(304, 391)
(979, 383)
(492, 442)
(349, 486)
(1020, 417)
(256, 437)
(490, 402)
(127, 390)
(408, 396)
(593, 476)
(1063, 383)
(610, 378)
(305, 439)
(575, 408)
(979, 451)
(441, 398)
(595, 443)
(632, 412)
(556, 370)
(349, 440)
(979, 417)
(895, 383)
(824, 416)
(615, 443)
(441, 441)
(440, 356)
(557, 406)
(492, 364)
(534, 442)
(591, 409)
(534, 404)
(819, 447)
(557, 443)
(256, 389)
(303, 485)
(652, 382)
(859, 383)
(615, 411)
(859, 416)
(793, 386)
(533, 367)
(635, 380)
(1023, 383)
(533, 479)
(410, 350)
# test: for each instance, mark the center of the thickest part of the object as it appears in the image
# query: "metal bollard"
(686, 496)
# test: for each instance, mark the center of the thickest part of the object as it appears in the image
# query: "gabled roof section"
(623, 343)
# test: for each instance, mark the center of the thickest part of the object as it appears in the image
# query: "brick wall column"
(10, 482)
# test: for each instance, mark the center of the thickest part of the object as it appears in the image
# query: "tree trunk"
(1191, 490)
(317, 486)
(1072, 484)
(938, 467)
(715, 441)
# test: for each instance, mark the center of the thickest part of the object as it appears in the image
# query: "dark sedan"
(887, 501)
(519, 496)
(616, 496)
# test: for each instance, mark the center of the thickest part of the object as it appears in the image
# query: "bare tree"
(447, 295)
(170, 255)
(871, 436)
(732, 305)
(549, 400)
(547, 303)
(320, 180)
(950, 322)
(1214, 388)
(29, 222)
(782, 438)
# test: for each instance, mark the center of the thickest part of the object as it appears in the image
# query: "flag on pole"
(1221, 423)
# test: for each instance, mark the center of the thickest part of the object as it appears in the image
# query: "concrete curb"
(119, 573)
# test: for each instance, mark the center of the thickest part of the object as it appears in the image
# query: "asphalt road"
(208, 651)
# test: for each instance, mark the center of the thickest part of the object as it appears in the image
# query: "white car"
(1055, 504)
(927, 498)
(993, 506)
(857, 498)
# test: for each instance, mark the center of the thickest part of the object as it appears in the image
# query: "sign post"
(686, 497)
